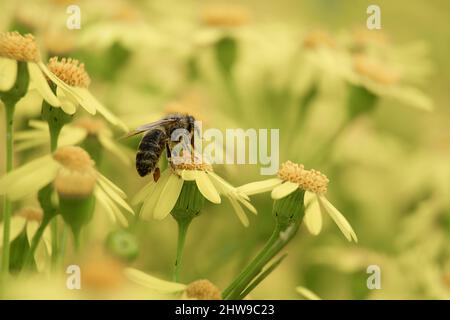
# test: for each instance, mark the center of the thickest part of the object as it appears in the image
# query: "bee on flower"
(160, 198)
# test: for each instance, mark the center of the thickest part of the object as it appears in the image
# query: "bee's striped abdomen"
(150, 149)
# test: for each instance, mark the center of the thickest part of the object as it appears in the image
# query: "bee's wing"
(149, 126)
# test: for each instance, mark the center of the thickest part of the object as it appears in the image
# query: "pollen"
(15, 46)
(189, 162)
(225, 15)
(203, 290)
(73, 158)
(319, 38)
(75, 184)
(93, 126)
(309, 180)
(71, 71)
(374, 71)
(30, 214)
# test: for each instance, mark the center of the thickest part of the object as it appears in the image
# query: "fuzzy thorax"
(308, 180)
(374, 71)
(71, 71)
(30, 214)
(15, 46)
(203, 290)
(77, 176)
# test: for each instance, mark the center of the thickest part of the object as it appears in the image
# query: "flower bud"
(122, 244)
(189, 203)
(290, 209)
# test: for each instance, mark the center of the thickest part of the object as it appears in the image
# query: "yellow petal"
(188, 175)
(206, 187)
(284, 190)
(109, 186)
(115, 196)
(112, 147)
(29, 178)
(313, 216)
(67, 104)
(259, 186)
(149, 204)
(71, 135)
(308, 294)
(84, 99)
(58, 82)
(338, 218)
(151, 282)
(89, 101)
(168, 197)
(110, 207)
(8, 73)
(239, 212)
(37, 124)
(41, 84)
(16, 227)
(143, 193)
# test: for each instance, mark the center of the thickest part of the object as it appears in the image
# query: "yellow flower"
(200, 289)
(72, 134)
(28, 220)
(160, 197)
(15, 48)
(385, 78)
(72, 82)
(73, 174)
(292, 176)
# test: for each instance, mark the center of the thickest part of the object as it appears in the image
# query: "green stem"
(253, 264)
(35, 241)
(281, 236)
(63, 245)
(183, 226)
(9, 110)
(55, 130)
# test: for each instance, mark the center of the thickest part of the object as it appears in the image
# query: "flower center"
(203, 290)
(92, 126)
(188, 162)
(374, 71)
(15, 46)
(224, 15)
(71, 71)
(309, 180)
(73, 158)
(319, 38)
(30, 214)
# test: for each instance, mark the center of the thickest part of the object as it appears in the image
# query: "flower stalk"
(10, 99)
(288, 213)
(187, 207)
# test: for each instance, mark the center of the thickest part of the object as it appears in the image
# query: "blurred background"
(277, 64)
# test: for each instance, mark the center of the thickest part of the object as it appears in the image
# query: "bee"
(156, 139)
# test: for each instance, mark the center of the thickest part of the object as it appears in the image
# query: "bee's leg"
(168, 154)
(156, 174)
